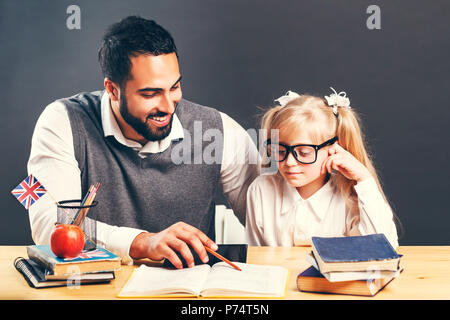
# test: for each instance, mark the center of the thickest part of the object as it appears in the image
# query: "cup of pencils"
(75, 212)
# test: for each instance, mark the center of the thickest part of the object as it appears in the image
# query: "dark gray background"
(240, 55)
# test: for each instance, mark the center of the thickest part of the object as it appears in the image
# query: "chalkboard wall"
(391, 58)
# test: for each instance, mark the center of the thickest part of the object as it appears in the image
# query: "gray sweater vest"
(148, 193)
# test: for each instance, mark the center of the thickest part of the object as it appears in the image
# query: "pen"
(222, 258)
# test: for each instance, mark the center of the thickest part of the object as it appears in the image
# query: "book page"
(152, 281)
(252, 281)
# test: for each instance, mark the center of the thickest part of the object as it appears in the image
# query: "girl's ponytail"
(267, 120)
(267, 125)
(351, 138)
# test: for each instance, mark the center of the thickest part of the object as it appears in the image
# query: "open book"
(220, 280)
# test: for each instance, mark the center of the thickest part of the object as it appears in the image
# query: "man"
(129, 138)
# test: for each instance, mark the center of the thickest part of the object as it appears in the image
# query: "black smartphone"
(233, 252)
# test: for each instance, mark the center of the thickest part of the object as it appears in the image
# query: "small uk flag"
(29, 191)
(97, 253)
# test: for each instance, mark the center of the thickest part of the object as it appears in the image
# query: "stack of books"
(360, 265)
(44, 269)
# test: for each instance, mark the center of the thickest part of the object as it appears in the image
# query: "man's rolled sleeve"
(117, 240)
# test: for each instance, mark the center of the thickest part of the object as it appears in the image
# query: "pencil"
(222, 258)
(82, 204)
(89, 201)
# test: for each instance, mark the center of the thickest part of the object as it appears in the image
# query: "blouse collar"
(319, 201)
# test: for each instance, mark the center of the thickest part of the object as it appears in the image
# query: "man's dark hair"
(129, 37)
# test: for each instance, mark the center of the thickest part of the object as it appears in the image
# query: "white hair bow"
(288, 97)
(336, 100)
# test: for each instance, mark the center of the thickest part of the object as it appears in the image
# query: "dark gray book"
(358, 253)
(38, 277)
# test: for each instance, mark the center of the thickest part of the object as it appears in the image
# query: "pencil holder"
(69, 210)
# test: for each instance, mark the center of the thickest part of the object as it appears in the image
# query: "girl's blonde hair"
(318, 120)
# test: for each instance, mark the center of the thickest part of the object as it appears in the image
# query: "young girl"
(325, 185)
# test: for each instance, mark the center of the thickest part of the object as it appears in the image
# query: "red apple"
(67, 240)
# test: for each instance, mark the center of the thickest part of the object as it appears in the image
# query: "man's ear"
(112, 89)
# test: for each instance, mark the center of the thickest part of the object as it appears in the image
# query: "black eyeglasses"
(303, 153)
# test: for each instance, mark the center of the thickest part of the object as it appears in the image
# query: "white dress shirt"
(52, 161)
(278, 216)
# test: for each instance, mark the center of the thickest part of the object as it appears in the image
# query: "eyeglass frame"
(290, 149)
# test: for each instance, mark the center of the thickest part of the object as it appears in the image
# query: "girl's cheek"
(315, 168)
(279, 166)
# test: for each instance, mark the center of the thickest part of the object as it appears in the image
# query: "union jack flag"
(29, 191)
(97, 253)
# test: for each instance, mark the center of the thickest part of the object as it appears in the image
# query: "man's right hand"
(157, 246)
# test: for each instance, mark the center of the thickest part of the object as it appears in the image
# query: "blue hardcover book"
(358, 253)
(97, 260)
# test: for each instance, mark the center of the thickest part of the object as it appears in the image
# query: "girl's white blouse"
(278, 216)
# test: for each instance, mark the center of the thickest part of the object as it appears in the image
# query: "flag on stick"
(28, 191)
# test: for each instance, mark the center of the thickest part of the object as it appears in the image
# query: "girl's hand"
(343, 161)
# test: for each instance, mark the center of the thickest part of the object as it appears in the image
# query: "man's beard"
(143, 128)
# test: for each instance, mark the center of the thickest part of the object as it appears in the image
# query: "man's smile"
(160, 121)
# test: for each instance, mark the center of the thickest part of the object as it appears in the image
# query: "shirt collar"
(111, 128)
(319, 202)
